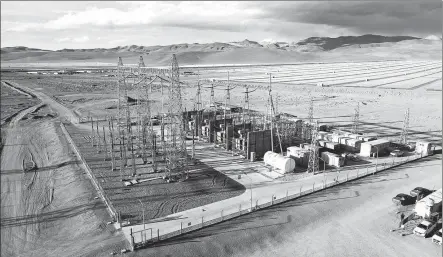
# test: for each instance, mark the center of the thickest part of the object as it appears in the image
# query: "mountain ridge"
(325, 43)
(365, 47)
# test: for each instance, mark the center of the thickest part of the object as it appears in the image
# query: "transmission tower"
(225, 112)
(246, 117)
(307, 128)
(176, 149)
(404, 132)
(199, 105)
(199, 97)
(311, 111)
(141, 63)
(313, 151)
(122, 118)
(273, 124)
(356, 120)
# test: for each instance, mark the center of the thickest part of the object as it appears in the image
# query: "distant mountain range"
(312, 48)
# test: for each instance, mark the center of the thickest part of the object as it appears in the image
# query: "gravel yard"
(204, 186)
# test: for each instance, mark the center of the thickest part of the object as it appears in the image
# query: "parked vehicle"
(420, 191)
(403, 199)
(425, 228)
(437, 237)
(397, 153)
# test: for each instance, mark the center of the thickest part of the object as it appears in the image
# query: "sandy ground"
(349, 220)
(45, 210)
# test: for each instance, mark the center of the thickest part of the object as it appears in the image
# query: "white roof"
(377, 142)
(436, 197)
(426, 223)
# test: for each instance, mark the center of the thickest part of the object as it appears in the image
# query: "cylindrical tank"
(280, 162)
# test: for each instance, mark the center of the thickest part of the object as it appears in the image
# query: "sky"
(57, 25)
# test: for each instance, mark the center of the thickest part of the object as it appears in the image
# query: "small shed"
(367, 148)
(333, 159)
(300, 156)
(342, 140)
(332, 145)
(423, 147)
(429, 204)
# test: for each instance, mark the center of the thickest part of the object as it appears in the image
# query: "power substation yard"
(174, 147)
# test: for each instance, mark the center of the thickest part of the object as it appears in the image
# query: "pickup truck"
(424, 228)
(437, 237)
(403, 199)
(423, 192)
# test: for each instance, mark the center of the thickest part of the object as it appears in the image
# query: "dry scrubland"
(54, 206)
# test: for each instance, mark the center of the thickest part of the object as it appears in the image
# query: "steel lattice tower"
(313, 151)
(307, 128)
(122, 114)
(145, 131)
(141, 63)
(404, 132)
(356, 119)
(311, 111)
(176, 149)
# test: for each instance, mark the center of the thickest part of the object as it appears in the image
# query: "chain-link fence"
(94, 180)
(147, 236)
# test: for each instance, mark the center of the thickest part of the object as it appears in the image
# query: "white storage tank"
(280, 162)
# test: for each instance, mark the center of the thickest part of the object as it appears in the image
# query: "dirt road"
(349, 220)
